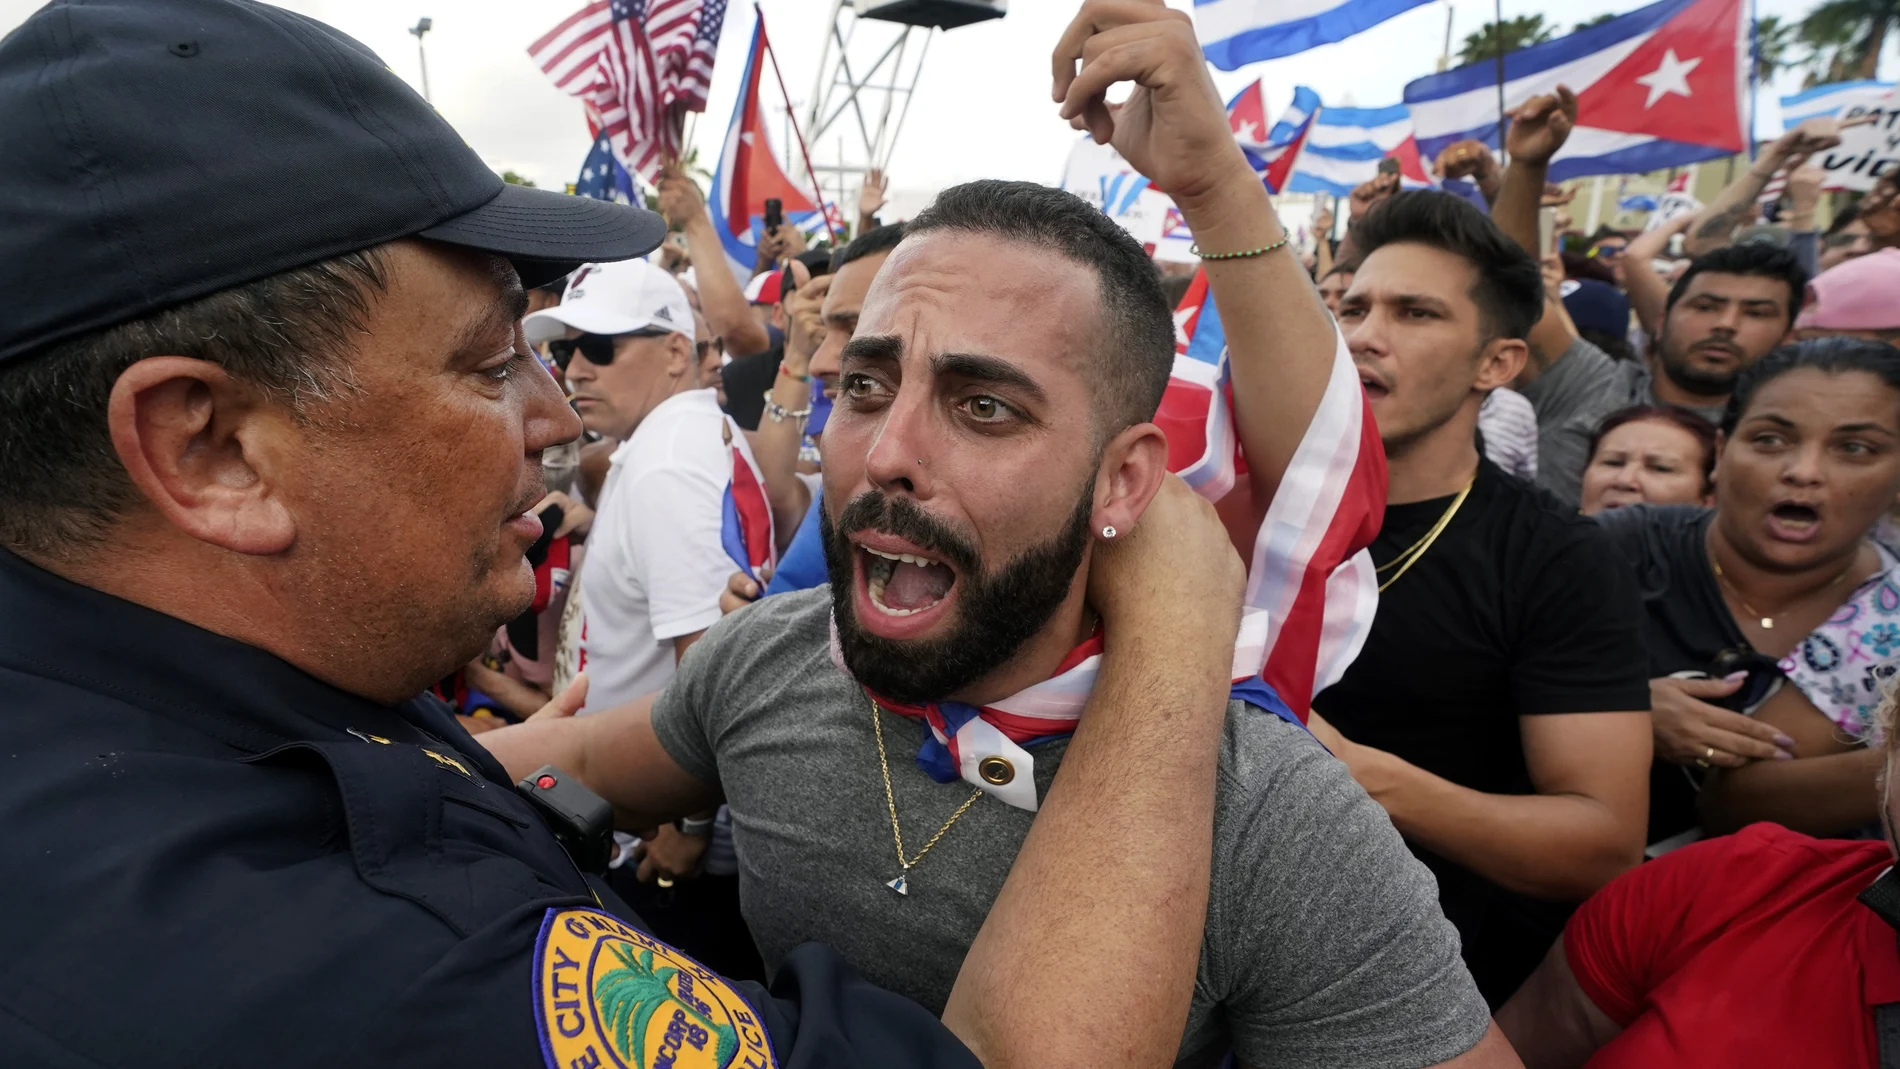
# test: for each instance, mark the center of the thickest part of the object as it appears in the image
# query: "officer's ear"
(191, 438)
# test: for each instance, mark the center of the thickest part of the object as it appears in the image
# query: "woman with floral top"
(1771, 616)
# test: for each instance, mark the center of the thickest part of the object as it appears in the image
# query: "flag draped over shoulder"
(641, 65)
(1308, 570)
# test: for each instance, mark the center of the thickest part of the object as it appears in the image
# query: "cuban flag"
(1663, 86)
(1309, 575)
(1234, 33)
(1831, 100)
(746, 527)
(1274, 153)
(749, 174)
(602, 177)
(1348, 144)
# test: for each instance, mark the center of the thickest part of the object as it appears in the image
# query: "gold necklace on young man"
(902, 883)
(1404, 561)
(1767, 622)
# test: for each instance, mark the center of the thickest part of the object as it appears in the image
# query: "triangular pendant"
(899, 886)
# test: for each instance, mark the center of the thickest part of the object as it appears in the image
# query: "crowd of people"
(862, 594)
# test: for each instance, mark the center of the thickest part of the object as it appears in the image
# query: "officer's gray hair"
(61, 484)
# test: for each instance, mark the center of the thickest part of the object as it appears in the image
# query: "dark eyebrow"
(1862, 428)
(883, 348)
(477, 336)
(979, 368)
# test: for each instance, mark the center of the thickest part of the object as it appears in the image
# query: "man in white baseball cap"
(655, 564)
(623, 335)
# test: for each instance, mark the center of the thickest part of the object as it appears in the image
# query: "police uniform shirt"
(211, 858)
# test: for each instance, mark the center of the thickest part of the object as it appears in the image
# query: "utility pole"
(422, 26)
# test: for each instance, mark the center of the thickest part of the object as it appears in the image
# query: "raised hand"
(1176, 576)
(680, 199)
(1540, 126)
(1466, 159)
(1173, 127)
(871, 196)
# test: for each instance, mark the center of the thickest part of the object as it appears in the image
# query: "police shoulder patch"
(607, 994)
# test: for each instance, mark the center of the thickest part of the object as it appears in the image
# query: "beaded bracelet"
(1262, 251)
(778, 413)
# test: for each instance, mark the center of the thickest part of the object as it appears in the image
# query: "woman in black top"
(1809, 461)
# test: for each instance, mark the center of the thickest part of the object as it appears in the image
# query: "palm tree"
(630, 995)
(1520, 32)
(1846, 37)
(1775, 42)
(1597, 21)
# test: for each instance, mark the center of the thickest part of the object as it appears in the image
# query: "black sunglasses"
(597, 348)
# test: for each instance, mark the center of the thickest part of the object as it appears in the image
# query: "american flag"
(641, 65)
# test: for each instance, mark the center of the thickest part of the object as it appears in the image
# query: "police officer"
(268, 441)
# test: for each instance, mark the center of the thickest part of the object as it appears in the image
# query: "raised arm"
(1123, 843)
(1538, 129)
(720, 298)
(778, 441)
(1648, 293)
(1173, 129)
(1715, 225)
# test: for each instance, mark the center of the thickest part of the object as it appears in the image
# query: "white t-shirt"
(655, 564)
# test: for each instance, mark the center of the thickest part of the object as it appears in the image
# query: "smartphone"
(774, 213)
(1546, 232)
(1388, 165)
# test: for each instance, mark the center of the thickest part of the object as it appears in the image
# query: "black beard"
(1693, 380)
(995, 614)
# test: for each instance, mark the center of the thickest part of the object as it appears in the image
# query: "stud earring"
(1108, 532)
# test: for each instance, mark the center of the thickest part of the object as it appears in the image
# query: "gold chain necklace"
(1767, 622)
(902, 883)
(1404, 561)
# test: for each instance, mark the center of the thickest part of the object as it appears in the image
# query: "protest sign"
(1866, 151)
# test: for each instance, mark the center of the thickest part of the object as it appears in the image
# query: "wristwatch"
(698, 828)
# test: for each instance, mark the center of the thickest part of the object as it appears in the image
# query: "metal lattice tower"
(873, 54)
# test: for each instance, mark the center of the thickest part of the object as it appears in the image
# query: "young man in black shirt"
(1498, 709)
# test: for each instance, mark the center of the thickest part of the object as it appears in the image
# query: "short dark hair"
(875, 240)
(1836, 356)
(1137, 354)
(1701, 429)
(1509, 290)
(61, 483)
(1752, 259)
(1175, 287)
(1341, 267)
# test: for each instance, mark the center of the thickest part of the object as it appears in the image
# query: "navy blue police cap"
(158, 151)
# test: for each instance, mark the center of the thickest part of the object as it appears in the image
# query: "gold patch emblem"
(449, 762)
(607, 994)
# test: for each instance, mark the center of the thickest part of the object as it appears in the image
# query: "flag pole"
(1754, 75)
(810, 171)
(1497, 29)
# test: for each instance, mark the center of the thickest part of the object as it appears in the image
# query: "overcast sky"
(982, 108)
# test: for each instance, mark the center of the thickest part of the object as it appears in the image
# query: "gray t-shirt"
(1571, 399)
(1324, 944)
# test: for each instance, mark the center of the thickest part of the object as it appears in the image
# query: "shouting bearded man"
(884, 743)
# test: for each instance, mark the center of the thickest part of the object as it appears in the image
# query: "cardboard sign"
(1866, 152)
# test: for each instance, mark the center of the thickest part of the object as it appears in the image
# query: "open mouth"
(1373, 387)
(1794, 522)
(904, 584)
